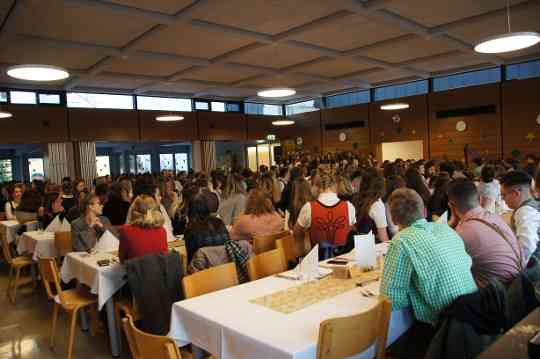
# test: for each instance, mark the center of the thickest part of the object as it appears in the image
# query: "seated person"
(144, 233)
(117, 207)
(14, 199)
(427, 266)
(490, 242)
(52, 208)
(203, 229)
(90, 226)
(28, 209)
(259, 219)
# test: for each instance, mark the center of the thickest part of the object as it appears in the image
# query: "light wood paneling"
(152, 130)
(343, 115)
(222, 126)
(31, 124)
(258, 127)
(483, 133)
(103, 125)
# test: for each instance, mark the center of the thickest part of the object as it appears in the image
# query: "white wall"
(405, 150)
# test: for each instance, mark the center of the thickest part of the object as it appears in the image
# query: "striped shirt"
(426, 268)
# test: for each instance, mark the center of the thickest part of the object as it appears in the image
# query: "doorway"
(406, 150)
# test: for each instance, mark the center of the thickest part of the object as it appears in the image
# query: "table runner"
(306, 294)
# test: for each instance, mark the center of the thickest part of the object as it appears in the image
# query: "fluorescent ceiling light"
(276, 92)
(169, 118)
(37, 72)
(395, 106)
(508, 42)
(283, 123)
(5, 114)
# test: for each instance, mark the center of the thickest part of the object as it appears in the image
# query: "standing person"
(525, 222)
(90, 226)
(15, 199)
(328, 219)
(234, 199)
(489, 190)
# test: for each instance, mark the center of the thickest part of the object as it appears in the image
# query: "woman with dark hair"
(80, 189)
(203, 229)
(27, 211)
(117, 207)
(370, 209)
(259, 219)
(438, 202)
(301, 194)
(15, 194)
(416, 182)
(52, 207)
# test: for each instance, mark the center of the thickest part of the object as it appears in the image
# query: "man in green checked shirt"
(426, 267)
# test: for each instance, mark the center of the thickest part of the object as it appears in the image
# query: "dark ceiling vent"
(343, 126)
(469, 111)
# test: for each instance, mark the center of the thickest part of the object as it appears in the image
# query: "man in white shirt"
(516, 192)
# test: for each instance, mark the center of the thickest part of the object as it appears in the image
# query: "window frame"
(136, 99)
(195, 101)
(133, 102)
(24, 104)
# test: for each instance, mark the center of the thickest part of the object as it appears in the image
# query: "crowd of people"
(429, 264)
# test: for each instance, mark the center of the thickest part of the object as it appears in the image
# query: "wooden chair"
(16, 265)
(266, 264)
(288, 245)
(210, 280)
(343, 337)
(63, 243)
(71, 301)
(267, 243)
(149, 346)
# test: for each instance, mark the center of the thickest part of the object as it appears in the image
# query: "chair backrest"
(50, 276)
(343, 337)
(5, 248)
(288, 244)
(210, 280)
(266, 264)
(263, 244)
(148, 346)
(63, 243)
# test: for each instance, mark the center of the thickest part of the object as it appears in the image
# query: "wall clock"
(538, 119)
(299, 141)
(461, 126)
(342, 137)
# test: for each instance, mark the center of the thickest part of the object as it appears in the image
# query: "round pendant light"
(395, 106)
(5, 114)
(511, 41)
(39, 73)
(282, 123)
(276, 92)
(169, 118)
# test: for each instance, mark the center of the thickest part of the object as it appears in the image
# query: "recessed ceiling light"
(276, 92)
(283, 123)
(395, 106)
(510, 41)
(5, 114)
(169, 118)
(37, 72)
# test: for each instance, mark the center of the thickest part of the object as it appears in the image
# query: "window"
(218, 106)
(348, 99)
(181, 162)
(6, 170)
(122, 164)
(233, 107)
(49, 99)
(301, 107)
(3, 96)
(166, 161)
(131, 162)
(23, 97)
(402, 90)
(99, 100)
(144, 164)
(163, 103)
(202, 105)
(35, 168)
(263, 109)
(103, 166)
(466, 79)
(523, 71)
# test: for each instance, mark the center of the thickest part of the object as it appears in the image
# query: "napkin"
(58, 225)
(107, 243)
(443, 218)
(364, 248)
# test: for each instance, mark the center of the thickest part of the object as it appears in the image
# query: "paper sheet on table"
(107, 243)
(58, 225)
(443, 218)
(364, 249)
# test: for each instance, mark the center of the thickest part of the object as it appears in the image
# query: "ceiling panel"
(164, 6)
(113, 82)
(67, 21)
(334, 67)
(219, 73)
(184, 39)
(445, 63)
(4, 9)
(401, 51)
(266, 16)
(382, 75)
(143, 66)
(276, 81)
(228, 92)
(428, 13)
(349, 33)
(275, 56)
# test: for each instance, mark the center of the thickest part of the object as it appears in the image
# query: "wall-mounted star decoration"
(530, 136)
(413, 132)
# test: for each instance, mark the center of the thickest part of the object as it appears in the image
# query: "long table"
(227, 325)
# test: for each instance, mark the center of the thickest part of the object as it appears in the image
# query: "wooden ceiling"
(231, 49)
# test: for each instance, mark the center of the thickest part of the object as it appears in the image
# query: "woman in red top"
(144, 233)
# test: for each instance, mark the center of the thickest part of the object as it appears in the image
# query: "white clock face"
(538, 119)
(342, 136)
(461, 126)
(299, 141)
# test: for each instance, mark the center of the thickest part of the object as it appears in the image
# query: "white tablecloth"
(9, 229)
(38, 243)
(103, 281)
(225, 324)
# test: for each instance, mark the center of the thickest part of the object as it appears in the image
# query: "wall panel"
(355, 135)
(258, 127)
(33, 124)
(103, 125)
(308, 127)
(222, 126)
(152, 130)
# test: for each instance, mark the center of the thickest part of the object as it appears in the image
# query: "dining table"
(9, 229)
(38, 244)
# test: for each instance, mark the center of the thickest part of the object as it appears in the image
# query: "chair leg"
(53, 323)
(16, 284)
(72, 327)
(10, 282)
(92, 313)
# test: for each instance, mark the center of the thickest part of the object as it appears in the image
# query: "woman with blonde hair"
(233, 199)
(301, 194)
(270, 186)
(144, 233)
